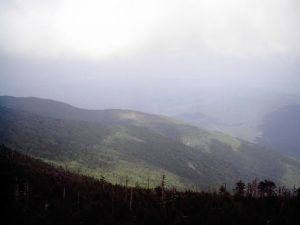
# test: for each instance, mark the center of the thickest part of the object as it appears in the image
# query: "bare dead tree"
(78, 199)
(163, 190)
(112, 199)
(126, 187)
(64, 193)
(148, 183)
(131, 199)
(17, 190)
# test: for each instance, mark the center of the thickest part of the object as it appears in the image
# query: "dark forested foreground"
(33, 192)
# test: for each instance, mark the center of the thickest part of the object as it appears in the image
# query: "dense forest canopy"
(34, 192)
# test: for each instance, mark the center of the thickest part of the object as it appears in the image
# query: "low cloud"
(105, 30)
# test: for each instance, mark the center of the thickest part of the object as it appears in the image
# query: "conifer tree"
(239, 188)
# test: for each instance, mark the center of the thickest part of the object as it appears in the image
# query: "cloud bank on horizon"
(59, 48)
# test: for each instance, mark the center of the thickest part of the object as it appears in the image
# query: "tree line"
(33, 192)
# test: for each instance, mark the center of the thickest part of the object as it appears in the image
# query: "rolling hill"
(123, 143)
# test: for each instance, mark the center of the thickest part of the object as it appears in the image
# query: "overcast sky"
(77, 49)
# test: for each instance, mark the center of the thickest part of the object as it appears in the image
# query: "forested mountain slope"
(121, 143)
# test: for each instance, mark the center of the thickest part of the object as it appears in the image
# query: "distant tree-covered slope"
(281, 130)
(120, 143)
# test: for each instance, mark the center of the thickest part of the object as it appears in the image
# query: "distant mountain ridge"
(281, 130)
(119, 143)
